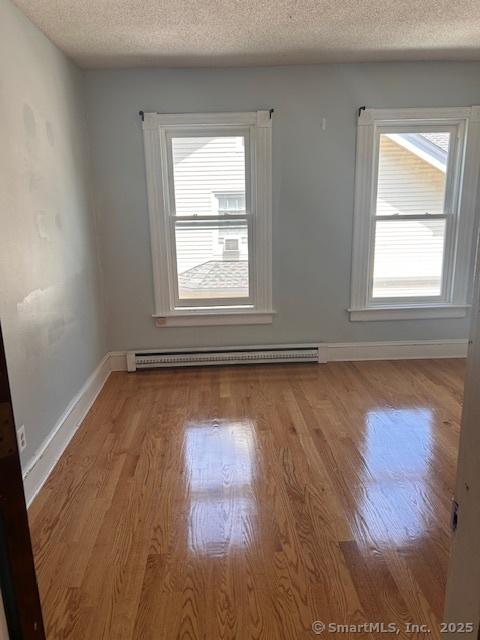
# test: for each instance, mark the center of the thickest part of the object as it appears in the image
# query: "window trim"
(156, 130)
(458, 273)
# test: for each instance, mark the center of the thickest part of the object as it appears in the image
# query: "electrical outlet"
(22, 438)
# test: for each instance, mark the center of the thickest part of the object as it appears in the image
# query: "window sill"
(212, 318)
(408, 313)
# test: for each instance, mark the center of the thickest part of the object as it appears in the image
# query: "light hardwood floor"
(249, 502)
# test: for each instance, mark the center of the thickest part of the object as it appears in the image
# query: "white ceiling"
(127, 33)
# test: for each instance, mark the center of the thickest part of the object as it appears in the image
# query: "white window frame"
(158, 130)
(463, 168)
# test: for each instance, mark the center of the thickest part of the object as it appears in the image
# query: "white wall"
(50, 306)
(313, 177)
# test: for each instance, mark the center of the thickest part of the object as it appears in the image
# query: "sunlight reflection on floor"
(220, 468)
(395, 486)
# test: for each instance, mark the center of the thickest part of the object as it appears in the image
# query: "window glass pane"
(212, 260)
(412, 170)
(408, 258)
(209, 175)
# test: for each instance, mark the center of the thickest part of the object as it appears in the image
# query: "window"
(209, 187)
(230, 202)
(231, 244)
(415, 191)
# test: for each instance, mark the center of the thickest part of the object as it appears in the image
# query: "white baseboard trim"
(47, 456)
(118, 360)
(395, 350)
(43, 462)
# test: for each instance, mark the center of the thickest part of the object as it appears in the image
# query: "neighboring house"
(412, 172)
(209, 176)
(411, 180)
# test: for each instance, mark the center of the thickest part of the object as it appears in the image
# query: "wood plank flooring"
(248, 502)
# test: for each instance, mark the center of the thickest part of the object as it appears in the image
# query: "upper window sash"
(459, 206)
(454, 160)
(205, 132)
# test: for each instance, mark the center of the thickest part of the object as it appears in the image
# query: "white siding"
(194, 246)
(408, 258)
(203, 166)
(406, 183)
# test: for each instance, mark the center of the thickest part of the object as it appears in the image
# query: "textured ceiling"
(123, 33)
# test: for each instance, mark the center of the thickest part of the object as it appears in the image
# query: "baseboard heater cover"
(263, 354)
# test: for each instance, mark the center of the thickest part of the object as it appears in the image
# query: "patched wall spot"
(50, 133)
(29, 121)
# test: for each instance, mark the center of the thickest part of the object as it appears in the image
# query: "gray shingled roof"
(216, 274)
(438, 138)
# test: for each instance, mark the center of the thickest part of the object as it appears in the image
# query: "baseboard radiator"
(263, 354)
